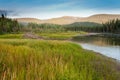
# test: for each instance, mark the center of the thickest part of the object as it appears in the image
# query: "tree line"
(84, 26)
(12, 26)
(112, 26)
(8, 25)
(33, 27)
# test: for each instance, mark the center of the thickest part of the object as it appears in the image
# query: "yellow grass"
(25, 59)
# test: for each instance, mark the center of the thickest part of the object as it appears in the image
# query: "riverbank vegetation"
(27, 59)
(45, 36)
(60, 35)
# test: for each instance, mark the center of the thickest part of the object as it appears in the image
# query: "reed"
(26, 59)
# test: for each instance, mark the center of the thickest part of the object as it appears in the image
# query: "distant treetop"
(3, 13)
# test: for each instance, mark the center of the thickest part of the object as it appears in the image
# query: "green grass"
(11, 36)
(51, 35)
(25, 59)
(60, 35)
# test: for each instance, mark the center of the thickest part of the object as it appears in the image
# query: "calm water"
(104, 44)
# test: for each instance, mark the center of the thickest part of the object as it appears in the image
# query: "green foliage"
(52, 60)
(83, 26)
(112, 26)
(9, 26)
(78, 26)
(32, 27)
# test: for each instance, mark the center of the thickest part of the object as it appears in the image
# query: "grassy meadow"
(45, 35)
(30, 59)
(11, 36)
(60, 35)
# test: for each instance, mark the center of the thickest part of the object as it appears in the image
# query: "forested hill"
(112, 26)
(84, 24)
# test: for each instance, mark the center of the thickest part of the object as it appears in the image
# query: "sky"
(46, 9)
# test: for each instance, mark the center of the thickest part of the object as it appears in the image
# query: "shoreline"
(97, 53)
(94, 34)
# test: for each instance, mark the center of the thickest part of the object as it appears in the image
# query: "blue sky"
(44, 9)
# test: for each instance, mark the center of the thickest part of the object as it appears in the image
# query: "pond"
(108, 45)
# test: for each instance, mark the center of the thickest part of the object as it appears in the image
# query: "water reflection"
(107, 45)
(99, 40)
(110, 51)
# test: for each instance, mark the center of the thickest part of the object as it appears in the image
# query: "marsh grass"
(60, 35)
(25, 59)
(11, 36)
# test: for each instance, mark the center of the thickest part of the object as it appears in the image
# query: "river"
(108, 45)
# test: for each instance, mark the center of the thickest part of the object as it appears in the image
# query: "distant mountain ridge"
(98, 18)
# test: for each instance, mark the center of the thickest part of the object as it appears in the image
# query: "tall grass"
(52, 60)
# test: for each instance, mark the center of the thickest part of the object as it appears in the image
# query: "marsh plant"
(52, 60)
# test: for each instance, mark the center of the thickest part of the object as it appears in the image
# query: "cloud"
(8, 12)
(41, 10)
(51, 7)
(57, 8)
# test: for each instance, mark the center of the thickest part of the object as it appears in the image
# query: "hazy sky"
(44, 9)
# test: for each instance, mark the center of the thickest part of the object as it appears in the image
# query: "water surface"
(107, 45)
